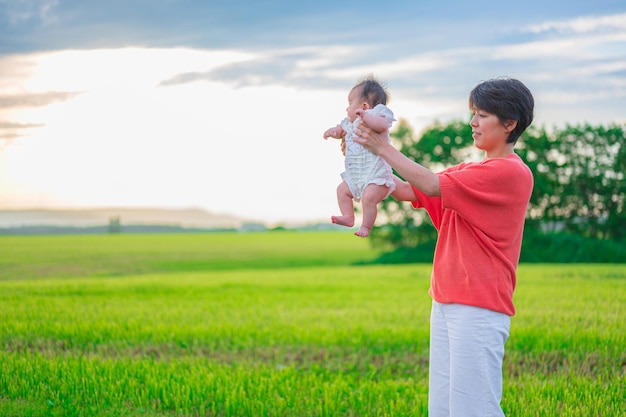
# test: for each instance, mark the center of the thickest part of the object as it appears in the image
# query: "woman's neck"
(500, 152)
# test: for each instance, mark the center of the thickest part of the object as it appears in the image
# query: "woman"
(478, 209)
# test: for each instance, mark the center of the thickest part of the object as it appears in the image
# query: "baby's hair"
(373, 91)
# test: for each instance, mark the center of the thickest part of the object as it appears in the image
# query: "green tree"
(115, 225)
(578, 172)
(579, 180)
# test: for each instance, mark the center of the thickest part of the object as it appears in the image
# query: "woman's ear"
(510, 125)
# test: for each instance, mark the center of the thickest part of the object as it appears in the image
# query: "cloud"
(13, 130)
(586, 65)
(310, 66)
(185, 78)
(585, 24)
(10, 130)
(28, 11)
(35, 99)
(15, 125)
(581, 41)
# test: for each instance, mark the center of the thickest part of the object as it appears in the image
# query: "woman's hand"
(415, 174)
(370, 139)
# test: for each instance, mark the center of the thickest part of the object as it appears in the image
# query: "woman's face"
(489, 133)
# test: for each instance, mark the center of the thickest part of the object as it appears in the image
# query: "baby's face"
(355, 103)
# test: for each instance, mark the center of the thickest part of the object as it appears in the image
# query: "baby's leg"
(372, 195)
(344, 198)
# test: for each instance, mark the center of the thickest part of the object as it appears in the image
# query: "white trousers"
(466, 351)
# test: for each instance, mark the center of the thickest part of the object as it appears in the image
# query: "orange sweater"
(480, 221)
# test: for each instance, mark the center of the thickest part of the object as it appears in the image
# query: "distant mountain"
(189, 218)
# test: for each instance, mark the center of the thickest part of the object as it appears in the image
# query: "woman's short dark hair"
(507, 98)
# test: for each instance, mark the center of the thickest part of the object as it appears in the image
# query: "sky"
(222, 105)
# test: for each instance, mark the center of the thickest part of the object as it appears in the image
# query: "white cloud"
(20, 11)
(411, 65)
(585, 24)
(576, 97)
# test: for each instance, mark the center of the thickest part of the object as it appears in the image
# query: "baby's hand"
(331, 133)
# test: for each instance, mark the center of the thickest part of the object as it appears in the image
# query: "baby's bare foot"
(343, 220)
(363, 232)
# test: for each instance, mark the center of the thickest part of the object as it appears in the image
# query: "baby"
(367, 178)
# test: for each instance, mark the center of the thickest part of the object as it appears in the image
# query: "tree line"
(578, 196)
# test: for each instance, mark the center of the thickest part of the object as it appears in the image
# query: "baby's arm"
(334, 132)
(377, 122)
(403, 191)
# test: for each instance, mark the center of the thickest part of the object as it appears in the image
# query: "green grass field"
(277, 324)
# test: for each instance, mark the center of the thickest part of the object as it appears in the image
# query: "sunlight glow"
(124, 139)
